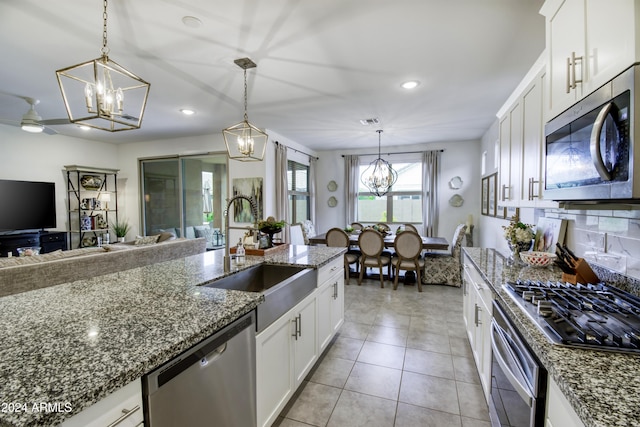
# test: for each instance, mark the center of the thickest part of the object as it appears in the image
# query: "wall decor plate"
(91, 182)
(332, 186)
(332, 202)
(456, 201)
(455, 183)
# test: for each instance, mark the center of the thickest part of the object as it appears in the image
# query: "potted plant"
(121, 228)
(270, 227)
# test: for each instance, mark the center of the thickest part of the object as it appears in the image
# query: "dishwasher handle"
(198, 354)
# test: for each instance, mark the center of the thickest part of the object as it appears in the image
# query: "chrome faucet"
(254, 212)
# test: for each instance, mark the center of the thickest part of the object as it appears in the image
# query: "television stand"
(48, 241)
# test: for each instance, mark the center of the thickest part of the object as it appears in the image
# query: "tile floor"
(400, 359)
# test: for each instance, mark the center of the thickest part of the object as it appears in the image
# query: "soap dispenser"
(240, 253)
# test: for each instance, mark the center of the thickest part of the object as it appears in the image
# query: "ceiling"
(322, 65)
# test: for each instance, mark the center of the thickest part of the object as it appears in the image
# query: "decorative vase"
(515, 249)
(270, 231)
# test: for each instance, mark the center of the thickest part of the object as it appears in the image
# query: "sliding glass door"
(185, 195)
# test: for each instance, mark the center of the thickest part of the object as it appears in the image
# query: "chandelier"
(244, 141)
(379, 176)
(101, 93)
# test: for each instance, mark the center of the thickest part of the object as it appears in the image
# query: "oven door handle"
(502, 352)
(594, 145)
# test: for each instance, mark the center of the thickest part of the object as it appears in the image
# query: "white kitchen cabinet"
(588, 42)
(122, 407)
(522, 143)
(478, 312)
(330, 305)
(510, 174)
(559, 412)
(285, 353)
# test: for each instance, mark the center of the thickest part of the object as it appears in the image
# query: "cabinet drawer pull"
(126, 413)
(298, 326)
(477, 316)
(335, 290)
(568, 85)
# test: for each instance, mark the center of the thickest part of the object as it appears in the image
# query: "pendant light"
(379, 176)
(101, 93)
(244, 141)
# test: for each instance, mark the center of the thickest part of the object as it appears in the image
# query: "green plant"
(121, 227)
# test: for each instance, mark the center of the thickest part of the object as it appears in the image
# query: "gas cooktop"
(594, 316)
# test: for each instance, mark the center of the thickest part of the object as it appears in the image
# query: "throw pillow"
(207, 233)
(146, 240)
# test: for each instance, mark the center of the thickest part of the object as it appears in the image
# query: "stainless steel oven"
(518, 380)
(590, 153)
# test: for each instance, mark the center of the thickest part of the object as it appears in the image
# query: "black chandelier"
(379, 176)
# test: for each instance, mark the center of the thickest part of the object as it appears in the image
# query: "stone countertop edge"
(601, 386)
(78, 342)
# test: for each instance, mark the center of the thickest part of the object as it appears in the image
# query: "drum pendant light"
(379, 177)
(101, 93)
(244, 141)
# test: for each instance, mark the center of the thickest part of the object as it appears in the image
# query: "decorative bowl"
(91, 182)
(29, 251)
(537, 259)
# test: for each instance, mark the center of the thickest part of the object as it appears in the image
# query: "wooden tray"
(262, 252)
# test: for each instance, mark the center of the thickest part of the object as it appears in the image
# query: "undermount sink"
(282, 286)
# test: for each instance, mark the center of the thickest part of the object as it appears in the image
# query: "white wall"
(41, 157)
(458, 159)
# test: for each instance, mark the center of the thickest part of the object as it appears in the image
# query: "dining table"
(437, 243)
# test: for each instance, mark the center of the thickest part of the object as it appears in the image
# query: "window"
(402, 204)
(185, 195)
(299, 196)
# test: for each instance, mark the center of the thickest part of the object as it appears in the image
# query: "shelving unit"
(92, 204)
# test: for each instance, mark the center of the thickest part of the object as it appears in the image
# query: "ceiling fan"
(31, 120)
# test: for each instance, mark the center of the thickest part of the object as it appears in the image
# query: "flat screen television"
(27, 205)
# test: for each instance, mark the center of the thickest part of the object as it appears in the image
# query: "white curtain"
(312, 189)
(430, 203)
(282, 188)
(351, 164)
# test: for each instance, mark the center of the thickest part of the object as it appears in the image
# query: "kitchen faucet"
(254, 212)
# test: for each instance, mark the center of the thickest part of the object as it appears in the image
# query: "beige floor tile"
(465, 369)
(314, 404)
(374, 380)
(379, 354)
(286, 422)
(332, 371)
(429, 363)
(460, 347)
(429, 392)
(360, 410)
(388, 335)
(414, 416)
(472, 401)
(355, 330)
(428, 341)
(472, 422)
(392, 319)
(345, 348)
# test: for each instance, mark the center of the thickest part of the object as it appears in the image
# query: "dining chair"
(296, 235)
(357, 226)
(371, 244)
(411, 227)
(338, 238)
(445, 268)
(408, 247)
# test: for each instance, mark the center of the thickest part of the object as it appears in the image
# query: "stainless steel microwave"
(589, 149)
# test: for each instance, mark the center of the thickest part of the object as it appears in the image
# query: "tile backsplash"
(609, 238)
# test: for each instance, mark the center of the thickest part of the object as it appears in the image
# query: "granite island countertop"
(76, 343)
(603, 387)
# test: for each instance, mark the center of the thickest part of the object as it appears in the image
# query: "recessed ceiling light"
(191, 21)
(411, 84)
(187, 111)
(368, 122)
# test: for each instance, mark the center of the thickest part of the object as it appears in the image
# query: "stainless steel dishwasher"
(211, 384)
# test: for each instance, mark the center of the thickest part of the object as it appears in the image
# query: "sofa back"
(54, 269)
